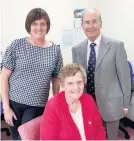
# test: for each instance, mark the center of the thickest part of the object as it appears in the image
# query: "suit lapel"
(83, 51)
(104, 47)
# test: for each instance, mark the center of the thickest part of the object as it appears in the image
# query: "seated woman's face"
(39, 29)
(74, 86)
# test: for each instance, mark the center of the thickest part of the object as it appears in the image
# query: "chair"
(129, 120)
(125, 120)
(2, 118)
(30, 130)
(130, 116)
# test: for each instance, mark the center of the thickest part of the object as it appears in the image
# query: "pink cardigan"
(57, 123)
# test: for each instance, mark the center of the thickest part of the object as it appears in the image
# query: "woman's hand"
(9, 115)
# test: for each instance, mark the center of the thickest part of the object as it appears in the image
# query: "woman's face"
(74, 86)
(39, 29)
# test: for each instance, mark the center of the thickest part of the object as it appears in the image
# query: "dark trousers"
(24, 114)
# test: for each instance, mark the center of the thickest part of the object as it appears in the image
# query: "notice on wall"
(79, 35)
(67, 37)
(78, 32)
(77, 17)
(75, 35)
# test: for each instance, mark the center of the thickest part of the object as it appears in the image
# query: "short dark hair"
(36, 14)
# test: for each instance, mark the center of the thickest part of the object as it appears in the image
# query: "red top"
(57, 122)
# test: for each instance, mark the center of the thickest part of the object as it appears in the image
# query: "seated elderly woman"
(72, 114)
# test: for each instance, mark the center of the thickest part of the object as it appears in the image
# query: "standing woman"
(28, 66)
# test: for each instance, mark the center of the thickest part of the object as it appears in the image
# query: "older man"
(105, 62)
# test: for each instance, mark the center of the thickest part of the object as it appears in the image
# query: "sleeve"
(73, 55)
(99, 129)
(123, 73)
(9, 57)
(49, 126)
(59, 63)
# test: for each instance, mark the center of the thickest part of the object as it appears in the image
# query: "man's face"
(91, 25)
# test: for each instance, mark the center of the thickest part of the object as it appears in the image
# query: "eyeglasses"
(93, 22)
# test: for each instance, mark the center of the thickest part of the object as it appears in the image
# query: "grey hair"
(92, 10)
(71, 70)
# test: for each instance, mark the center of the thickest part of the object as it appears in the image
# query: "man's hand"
(125, 112)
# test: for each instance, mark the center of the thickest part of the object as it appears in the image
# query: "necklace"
(74, 107)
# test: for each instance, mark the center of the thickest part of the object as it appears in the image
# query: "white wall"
(61, 15)
(0, 25)
(118, 22)
(117, 16)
